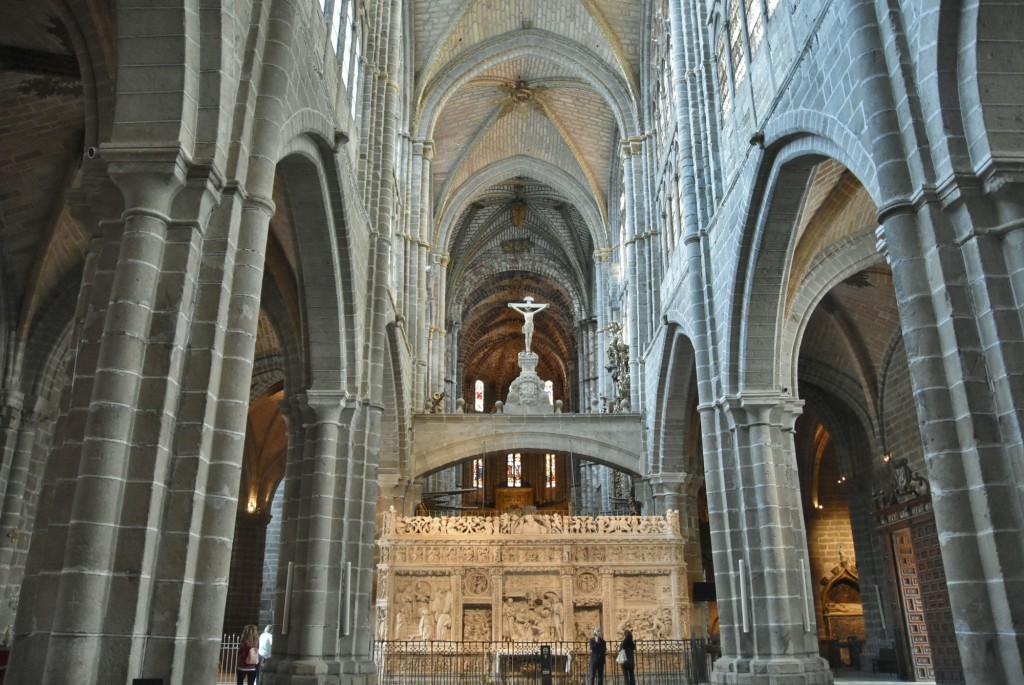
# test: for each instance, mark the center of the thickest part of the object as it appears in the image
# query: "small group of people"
(626, 658)
(253, 652)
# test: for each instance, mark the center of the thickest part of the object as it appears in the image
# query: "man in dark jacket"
(598, 649)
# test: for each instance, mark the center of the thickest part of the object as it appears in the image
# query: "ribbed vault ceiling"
(524, 102)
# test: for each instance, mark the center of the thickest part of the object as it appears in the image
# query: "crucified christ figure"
(527, 308)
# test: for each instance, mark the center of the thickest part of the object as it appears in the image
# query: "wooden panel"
(934, 594)
(913, 605)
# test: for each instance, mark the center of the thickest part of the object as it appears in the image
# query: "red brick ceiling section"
(492, 337)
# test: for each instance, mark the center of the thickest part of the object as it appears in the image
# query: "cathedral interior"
(383, 321)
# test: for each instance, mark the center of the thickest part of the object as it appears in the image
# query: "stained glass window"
(478, 474)
(549, 389)
(550, 471)
(478, 396)
(514, 472)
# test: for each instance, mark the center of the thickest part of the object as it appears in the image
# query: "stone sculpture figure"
(527, 308)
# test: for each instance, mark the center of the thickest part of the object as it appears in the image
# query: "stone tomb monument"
(531, 577)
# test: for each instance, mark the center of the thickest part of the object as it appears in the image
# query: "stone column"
(421, 332)
(245, 579)
(644, 310)
(497, 603)
(669, 490)
(568, 598)
(437, 349)
(608, 603)
(20, 424)
(310, 642)
(632, 271)
(10, 421)
(458, 576)
(216, 387)
(454, 382)
(951, 288)
(104, 525)
(764, 586)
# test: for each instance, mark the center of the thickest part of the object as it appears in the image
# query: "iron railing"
(228, 658)
(657, 662)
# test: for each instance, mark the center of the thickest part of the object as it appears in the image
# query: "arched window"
(478, 473)
(755, 25)
(739, 62)
(549, 390)
(724, 88)
(550, 471)
(478, 396)
(344, 33)
(514, 471)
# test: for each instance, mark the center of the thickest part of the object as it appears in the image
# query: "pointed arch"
(617, 91)
(520, 165)
(671, 422)
(325, 271)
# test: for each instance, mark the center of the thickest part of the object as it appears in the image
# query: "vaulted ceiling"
(525, 102)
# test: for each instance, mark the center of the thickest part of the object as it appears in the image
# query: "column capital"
(768, 408)
(625, 149)
(149, 177)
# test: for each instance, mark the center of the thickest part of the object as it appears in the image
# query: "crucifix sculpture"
(527, 308)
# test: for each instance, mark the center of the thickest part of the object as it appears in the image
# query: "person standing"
(248, 655)
(627, 651)
(598, 650)
(266, 643)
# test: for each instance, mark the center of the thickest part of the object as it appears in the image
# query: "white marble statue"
(527, 308)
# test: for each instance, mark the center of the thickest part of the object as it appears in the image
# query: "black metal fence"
(657, 662)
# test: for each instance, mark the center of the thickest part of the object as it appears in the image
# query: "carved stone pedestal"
(526, 394)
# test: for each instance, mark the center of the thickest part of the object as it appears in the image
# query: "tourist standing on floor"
(626, 658)
(248, 655)
(266, 642)
(598, 649)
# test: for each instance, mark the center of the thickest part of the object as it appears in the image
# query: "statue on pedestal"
(526, 394)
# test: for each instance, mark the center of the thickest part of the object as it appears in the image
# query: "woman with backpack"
(248, 655)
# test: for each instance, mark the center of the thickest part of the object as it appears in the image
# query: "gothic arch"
(616, 90)
(324, 269)
(829, 268)
(754, 357)
(519, 165)
(985, 47)
(277, 311)
(87, 29)
(802, 132)
(395, 424)
(542, 266)
(596, 451)
(671, 425)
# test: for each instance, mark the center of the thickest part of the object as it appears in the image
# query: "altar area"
(530, 577)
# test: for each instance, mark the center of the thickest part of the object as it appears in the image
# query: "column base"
(771, 671)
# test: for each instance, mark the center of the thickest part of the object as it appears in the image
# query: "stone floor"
(851, 677)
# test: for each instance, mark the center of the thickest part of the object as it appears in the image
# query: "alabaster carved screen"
(531, 577)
